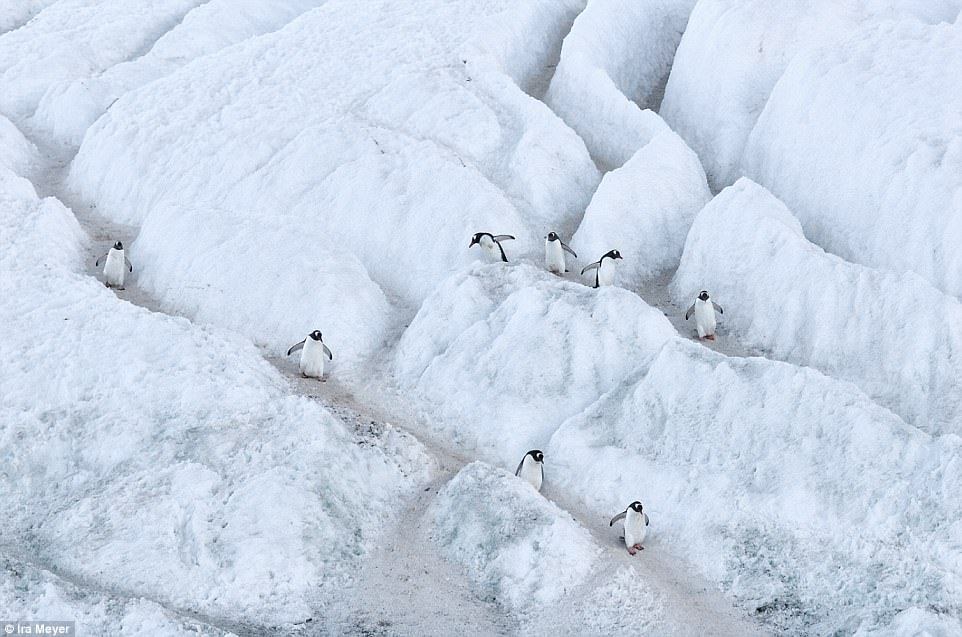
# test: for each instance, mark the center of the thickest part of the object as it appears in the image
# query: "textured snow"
(461, 353)
(16, 13)
(17, 153)
(872, 165)
(795, 490)
(613, 64)
(70, 106)
(134, 439)
(72, 39)
(892, 334)
(733, 53)
(644, 210)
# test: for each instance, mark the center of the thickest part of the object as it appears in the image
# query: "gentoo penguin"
(604, 268)
(554, 253)
(636, 526)
(531, 468)
(312, 355)
(116, 266)
(491, 243)
(704, 310)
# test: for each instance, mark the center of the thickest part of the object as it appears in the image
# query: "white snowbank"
(145, 455)
(807, 500)
(872, 161)
(644, 209)
(16, 13)
(521, 550)
(17, 153)
(613, 65)
(72, 39)
(893, 335)
(734, 51)
(501, 354)
(373, 135)
(70, 106)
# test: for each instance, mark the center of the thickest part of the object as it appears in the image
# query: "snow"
(459, 356)
(72, 39)
(873, 170)
(70, 106)
(644, 209)
(893, 335)
(16, 13)
(734, 52)
(17, 153)
(166, 459)
(613, 64)
(795, 491)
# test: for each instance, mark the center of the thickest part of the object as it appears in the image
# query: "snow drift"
(893, 335)
(613, 65)
(644, 209)
(872, 163)
(461, 355)
(808, 501)
(17, 153)
(166, 461)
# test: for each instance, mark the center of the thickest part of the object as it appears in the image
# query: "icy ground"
(278, 167)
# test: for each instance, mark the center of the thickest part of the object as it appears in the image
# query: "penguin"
(604, 268)
(116, 265)
(704, 310)
(636, 526)
(554, 253)
(491, 243)
(312, 355)
(531, 468)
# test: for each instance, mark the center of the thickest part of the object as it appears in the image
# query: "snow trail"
(404, 586)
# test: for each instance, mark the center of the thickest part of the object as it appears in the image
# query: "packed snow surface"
(894, 335)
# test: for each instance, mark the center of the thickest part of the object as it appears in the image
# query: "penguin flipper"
(327, 351)
(503, 237)
(129, 266)
(690, 311)
(718, 307)
(296, 347)
(620, 516)
(564, 246)
(591, 266)
(504, 257)
(646, 519)
(517, 471)
(99, 259)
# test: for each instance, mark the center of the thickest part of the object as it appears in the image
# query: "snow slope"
(71, 105)
(390, 141)
(72, 39)
(872, 166)
(806, 500)
(17, 153)
(16, 13)
(733, 53)
(460, 355)
(613, 65)
(893, 335)
(151, 458)
(644, 209)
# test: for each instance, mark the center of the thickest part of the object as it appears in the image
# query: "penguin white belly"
(491, 248)
(606, 272)
(635, 528)
(313, 359)
(531, 471)
(704, 318)
(554, 256)
(114, 268)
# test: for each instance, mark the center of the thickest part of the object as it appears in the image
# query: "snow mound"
(872, 166)
(16, 13)
(893, 335)
(811, 504)
(521, 550)
(734, 51)
(400, 139)
(165, 460)
(501, 355)
(613, 65)
(644, 209)
(70, 106)
(72, 39)
(17, 153)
